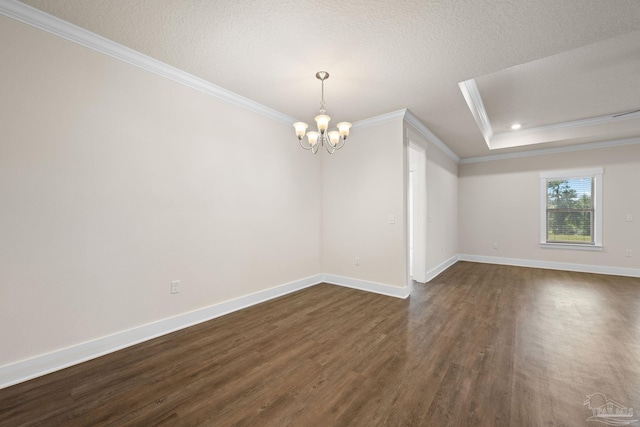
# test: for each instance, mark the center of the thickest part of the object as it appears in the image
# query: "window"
(571, 209)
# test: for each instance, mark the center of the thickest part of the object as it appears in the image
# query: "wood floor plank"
(480, 345)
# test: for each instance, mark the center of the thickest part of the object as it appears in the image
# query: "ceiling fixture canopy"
(332, 140)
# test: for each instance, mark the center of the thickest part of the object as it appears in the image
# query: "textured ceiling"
(382, 55)
(561, 87)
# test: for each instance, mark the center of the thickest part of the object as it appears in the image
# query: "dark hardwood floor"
(480, 345)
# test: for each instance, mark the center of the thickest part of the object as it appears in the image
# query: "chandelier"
(332, 140)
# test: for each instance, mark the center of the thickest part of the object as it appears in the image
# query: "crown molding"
(410, 118)
(530, 136)
(471, 94)
(38, 19)
(610, 118)
(378, 120)
(555, 150)
(555, 131)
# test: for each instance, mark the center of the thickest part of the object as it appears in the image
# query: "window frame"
(596, 199)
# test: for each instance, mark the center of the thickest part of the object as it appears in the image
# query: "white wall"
(363, 184)
(442, 204)
(442, 208)
(499, 202)
(114, 181)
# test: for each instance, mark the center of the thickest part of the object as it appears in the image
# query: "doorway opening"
(417, 212)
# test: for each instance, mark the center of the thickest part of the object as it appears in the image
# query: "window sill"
(571, 246)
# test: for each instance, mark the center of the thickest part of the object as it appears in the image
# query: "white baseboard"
(551, 265)
(442, 267)
(41, 365)
(363, 285)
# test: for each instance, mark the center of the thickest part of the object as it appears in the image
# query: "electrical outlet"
(175, 286)
(392, 219)
(357, 260)
(627, 253)
(629, 217)
(495, 246)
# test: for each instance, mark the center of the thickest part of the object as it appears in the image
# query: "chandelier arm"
(330, 148)
(315, 148)
(341, 143)
(303, 147)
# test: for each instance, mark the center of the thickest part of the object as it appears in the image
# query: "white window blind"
(571, 208)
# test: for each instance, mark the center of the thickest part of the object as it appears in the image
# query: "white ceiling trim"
(566, 149)
(378, 120)
(610, 118)
(426, 132)
(36, 18)
(410, 118)
(471, 94)
(531, 136)
(555, 132)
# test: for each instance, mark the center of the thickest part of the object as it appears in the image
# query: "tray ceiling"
(389, 55)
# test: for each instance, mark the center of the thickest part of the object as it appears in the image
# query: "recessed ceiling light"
(516, 126)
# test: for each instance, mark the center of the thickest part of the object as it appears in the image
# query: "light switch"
(392, 219)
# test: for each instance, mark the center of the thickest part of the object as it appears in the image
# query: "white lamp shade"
(323, 122)
(343, 128)
(313, 138)
(334, 137)
(301, 128)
